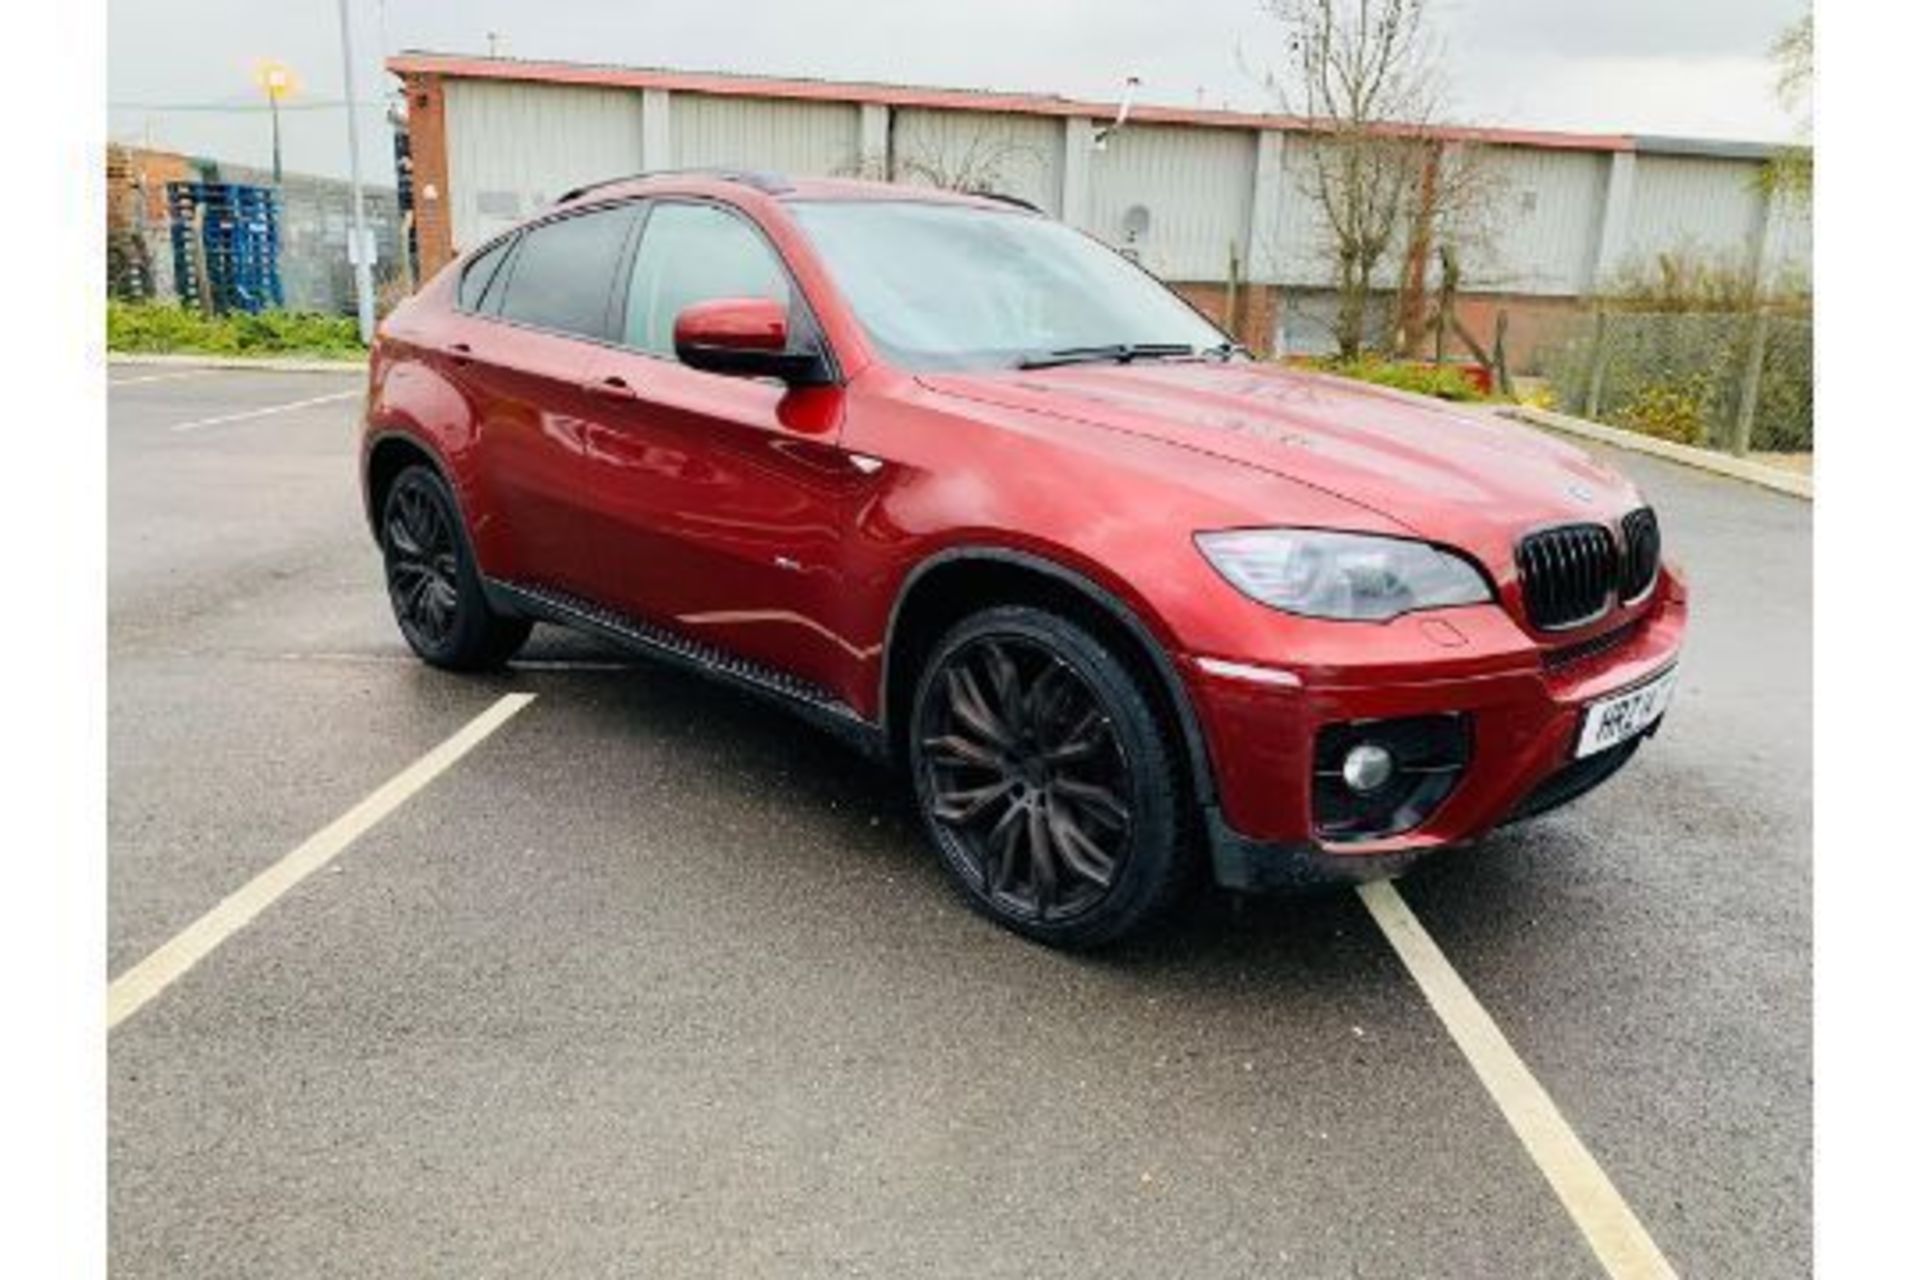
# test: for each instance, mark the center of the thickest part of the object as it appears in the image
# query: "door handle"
(460, 352)
(613, 387)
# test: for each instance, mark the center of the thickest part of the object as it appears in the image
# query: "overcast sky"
(1688, 67)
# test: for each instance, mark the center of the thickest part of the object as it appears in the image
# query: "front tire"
(1046, 780)
(433, 581)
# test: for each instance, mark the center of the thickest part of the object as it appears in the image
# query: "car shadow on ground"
(729, 752)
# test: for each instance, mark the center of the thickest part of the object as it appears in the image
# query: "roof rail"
(1016, 201)
(772, 184)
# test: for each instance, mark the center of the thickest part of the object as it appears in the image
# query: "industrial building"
(1202, 197)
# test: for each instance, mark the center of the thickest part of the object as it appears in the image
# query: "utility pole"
(361, 250)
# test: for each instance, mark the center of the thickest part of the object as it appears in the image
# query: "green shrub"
(1667, 412)
(1441, 381)
(162, 327)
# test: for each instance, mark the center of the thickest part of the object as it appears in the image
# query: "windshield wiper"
(1118, 352)
(1228, 350)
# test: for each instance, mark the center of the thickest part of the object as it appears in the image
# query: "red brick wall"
(427, 136)
(139, 169)
(1532, 323)
(1256, 307)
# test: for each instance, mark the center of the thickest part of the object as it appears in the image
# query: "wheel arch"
(955, 582)
(389, 453)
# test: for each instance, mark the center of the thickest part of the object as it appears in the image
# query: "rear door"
(720, 502)
(526, 361)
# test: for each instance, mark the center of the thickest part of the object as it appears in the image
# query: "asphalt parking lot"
(656, 982)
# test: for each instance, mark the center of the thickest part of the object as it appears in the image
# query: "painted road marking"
(1597, 1208)
(157, 377)
(245, 414)
(129, 992)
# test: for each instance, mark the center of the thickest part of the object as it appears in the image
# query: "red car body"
(790, 532)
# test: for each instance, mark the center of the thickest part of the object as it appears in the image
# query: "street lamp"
(276, 80)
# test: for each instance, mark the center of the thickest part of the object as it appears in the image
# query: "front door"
(720, 501)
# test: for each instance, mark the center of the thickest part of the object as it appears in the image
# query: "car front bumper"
(1523, 701)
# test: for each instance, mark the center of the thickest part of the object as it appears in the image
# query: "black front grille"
(1567, 574)
(1640, 553)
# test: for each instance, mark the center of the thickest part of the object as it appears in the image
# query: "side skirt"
(809, 701)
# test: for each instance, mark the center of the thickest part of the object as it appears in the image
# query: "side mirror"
(743, 337)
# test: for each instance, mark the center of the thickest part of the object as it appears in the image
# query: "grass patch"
(161, 327)
(1441, 381)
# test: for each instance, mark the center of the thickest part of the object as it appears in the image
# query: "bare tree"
(1452, 225)
(1791, 169)
(1363, 76)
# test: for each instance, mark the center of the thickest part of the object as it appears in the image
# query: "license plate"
(1612, 720)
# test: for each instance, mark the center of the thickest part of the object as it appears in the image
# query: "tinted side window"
(562, 278)
(693, 253)
(480, 273)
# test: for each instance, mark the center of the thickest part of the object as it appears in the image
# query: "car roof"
(780, 187)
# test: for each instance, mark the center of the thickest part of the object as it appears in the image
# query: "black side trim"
(808, 700)
(1196, 742)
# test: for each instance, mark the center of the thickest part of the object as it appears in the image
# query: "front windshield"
(943, 286)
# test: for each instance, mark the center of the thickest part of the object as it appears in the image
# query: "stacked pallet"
(226, 245)
(129, 267)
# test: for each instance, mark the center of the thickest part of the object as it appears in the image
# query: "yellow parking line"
(129, 992)
(1613, 1232)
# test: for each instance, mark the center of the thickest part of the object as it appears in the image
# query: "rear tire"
(1046, 780)
(433, 581)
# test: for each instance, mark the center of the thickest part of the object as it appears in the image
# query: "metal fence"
(1732, 380)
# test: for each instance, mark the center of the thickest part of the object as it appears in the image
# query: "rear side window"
(480, 273)
(694, 253)
(562, 277)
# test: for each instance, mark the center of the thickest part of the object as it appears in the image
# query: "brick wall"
(427, 133)
(1255, 307)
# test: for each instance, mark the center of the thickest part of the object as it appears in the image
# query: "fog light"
(1367, 767)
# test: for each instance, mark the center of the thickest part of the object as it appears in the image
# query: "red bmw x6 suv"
(975, 491)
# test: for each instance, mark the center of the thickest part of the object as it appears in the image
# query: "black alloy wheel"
(423, 565)
(1044, 778)
(433, 583)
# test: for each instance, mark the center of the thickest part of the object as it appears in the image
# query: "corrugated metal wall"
(1708, 207)
(1543, 211)
(1298, 239)
(511, 148)
(1791, 256)
(1195, 185)
(1014, 155)
(817, 139)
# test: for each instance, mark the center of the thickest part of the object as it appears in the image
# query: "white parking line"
(157, 377)
(130, 991)
(245, 414)
(1614, 1234)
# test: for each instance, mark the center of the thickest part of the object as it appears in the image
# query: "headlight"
(1342, 575)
